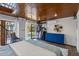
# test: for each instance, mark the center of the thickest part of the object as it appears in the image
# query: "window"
(9, 5)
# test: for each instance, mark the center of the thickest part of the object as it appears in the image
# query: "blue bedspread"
(6, 51)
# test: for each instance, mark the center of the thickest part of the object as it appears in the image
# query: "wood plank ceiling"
(22, 7)
(48, 11)
(56, 10)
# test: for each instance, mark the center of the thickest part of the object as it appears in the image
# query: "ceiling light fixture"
(55, 14)
(39, 18)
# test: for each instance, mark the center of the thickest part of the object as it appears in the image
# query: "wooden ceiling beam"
(17, 16)
(4, 9)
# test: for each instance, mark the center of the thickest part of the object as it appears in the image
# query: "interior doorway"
(30, 30)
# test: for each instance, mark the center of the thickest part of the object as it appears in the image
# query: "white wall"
(69, 29)
(21, 28)
(17, 28)
(78, 31)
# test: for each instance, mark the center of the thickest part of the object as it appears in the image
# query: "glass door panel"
(10, 26)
